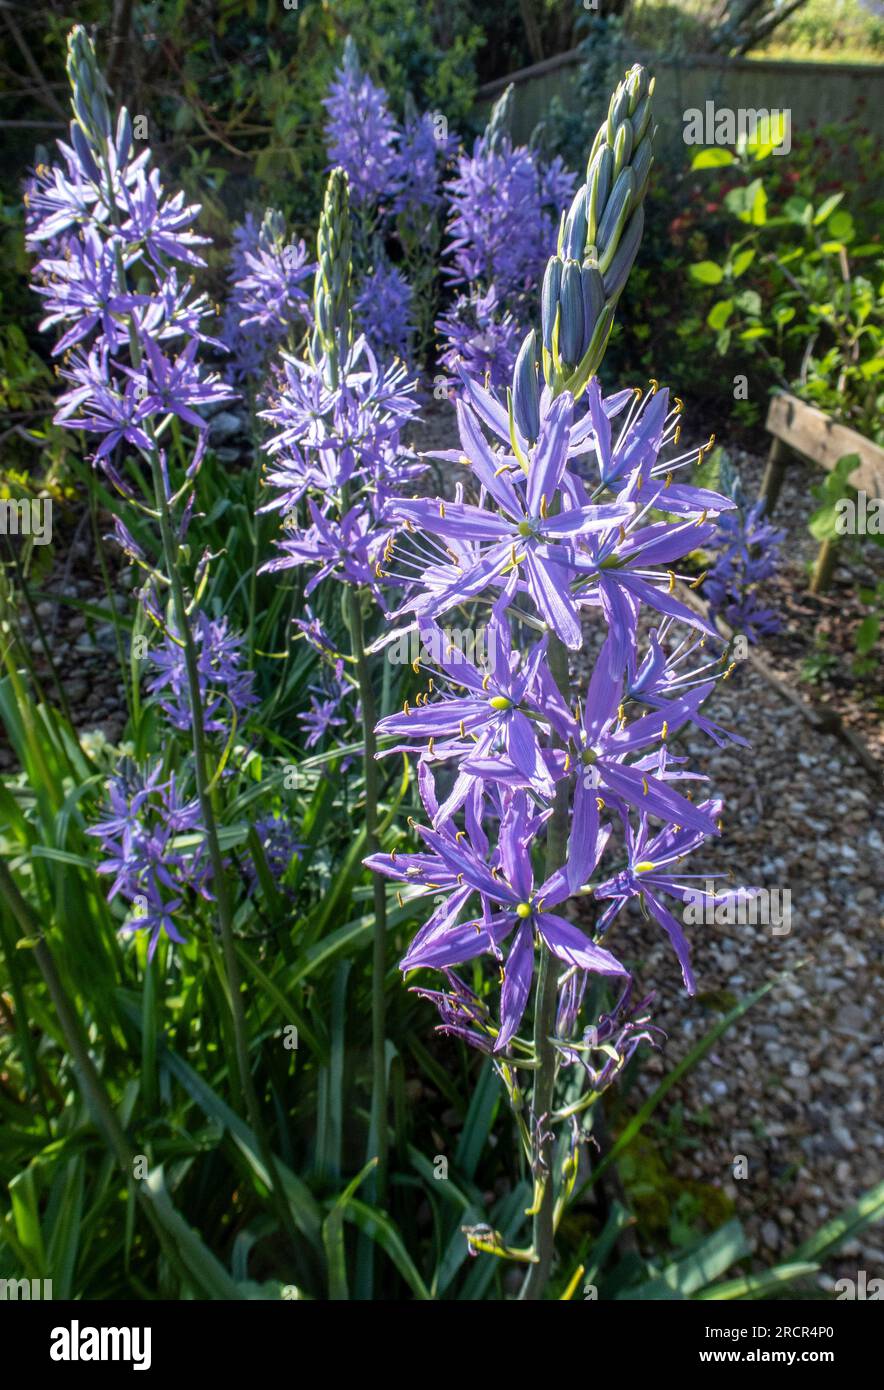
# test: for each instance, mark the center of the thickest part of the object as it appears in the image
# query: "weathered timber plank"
(817, 437)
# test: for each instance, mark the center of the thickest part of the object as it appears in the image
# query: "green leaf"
(823, 522)
(749, 302)
(333, 1236)
(713, 158)
(847, 1226)
(798, 211)
(209, 1275)
(379, 1228)
(720, 313)
(706, 273)
(742, 262)
(841, 226)
(479, 1120)
(826, 208)
(706, 1262)
(748, 203)
(758, 1285)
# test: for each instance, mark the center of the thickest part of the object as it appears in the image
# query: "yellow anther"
(645, 785)
(679, 404)
(463, 732)
(431, 746)
(701, 518)
(671, 580)
(406, 708)
(543, 507)
(415, 665)
(600, 803)
(677, 436)
(655, 386)
(442, 510)
(664, 732)
(644, 867)
(668, 482)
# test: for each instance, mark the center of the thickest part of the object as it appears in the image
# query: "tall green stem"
(243, 1071)
(543, 1233)
(379, 942)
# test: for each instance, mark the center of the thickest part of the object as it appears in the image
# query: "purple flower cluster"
(336, 459)
(483, 338)
(504, 205)
(226, 690)
(266, 304)
(391, 169)
(566, 527)
(102, 224)
(747, 550)
(139, 837)
(383, 311)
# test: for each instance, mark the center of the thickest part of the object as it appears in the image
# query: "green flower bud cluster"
(599, 239)
(333, 328)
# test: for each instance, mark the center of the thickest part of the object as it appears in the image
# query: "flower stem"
(379, 942)
(543, 1234)
(242, 1069)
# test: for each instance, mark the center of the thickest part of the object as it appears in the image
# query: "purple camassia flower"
(225, 688)
(660, 676)
(383, 311)
(311, 629)
(422, 150)
(491, 729)
(82, 287)
(328, 437)
(525, 526)
(349, 550)
(505, 208)
(324, 714)
(99, 218)
(568, 549)
(616, 1035)
(138, 838)
(504, 218)
(362, 137)
(509, 900)
(266, 301)
(176, 387)
(483, 340)
(748, 552)
(123, 199)
(652, 870)
(604, 739)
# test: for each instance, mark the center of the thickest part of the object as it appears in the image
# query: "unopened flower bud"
(526, 389)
